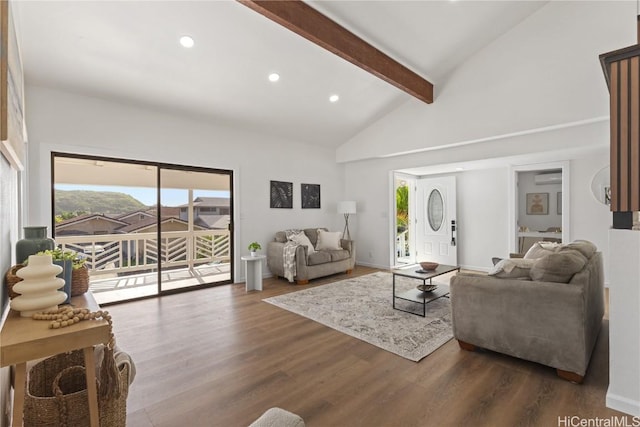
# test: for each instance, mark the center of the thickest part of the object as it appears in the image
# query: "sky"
(169, 197)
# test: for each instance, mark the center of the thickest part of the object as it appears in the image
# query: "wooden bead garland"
(67, 316)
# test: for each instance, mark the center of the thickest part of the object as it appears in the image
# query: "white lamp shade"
(348, 207)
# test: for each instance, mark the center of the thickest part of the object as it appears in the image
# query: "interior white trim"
(565, 166)
(623, 404)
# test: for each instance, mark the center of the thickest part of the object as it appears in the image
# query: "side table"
(23, 339)
(253, 272)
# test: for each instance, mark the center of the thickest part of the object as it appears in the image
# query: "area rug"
(362, 307)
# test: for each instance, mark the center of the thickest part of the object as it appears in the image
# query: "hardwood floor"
(221, 357)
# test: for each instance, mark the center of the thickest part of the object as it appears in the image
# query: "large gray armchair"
(535, 316)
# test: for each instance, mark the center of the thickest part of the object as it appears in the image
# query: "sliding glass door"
(195, 237)
(144, 228)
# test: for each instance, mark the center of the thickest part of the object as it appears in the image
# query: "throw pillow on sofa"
(328, 240)
(540, 249)
(512, 268)
(558, 267)
(585, 247)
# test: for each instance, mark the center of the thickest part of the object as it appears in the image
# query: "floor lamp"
(346, 208)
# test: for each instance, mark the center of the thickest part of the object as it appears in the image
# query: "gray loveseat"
(528, 312)
(310, 266)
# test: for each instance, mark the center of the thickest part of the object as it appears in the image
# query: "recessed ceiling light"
(186, 41)
(459, 169)
(334, 98)
(274, 77)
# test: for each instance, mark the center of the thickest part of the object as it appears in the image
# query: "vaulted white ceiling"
(128, 51)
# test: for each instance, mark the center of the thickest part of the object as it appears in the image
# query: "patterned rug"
(362, 307)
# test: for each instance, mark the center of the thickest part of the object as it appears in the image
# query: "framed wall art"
(281, 194)
(537, 203)
(310, 196)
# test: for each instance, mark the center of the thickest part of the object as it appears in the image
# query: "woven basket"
(11, 279)
(56, 395)
(79, 281)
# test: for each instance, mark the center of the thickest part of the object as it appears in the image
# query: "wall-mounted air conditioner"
(548, 178)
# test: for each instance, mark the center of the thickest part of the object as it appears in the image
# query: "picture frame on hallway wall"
(281, 195)
(310, 196)
(537, 203)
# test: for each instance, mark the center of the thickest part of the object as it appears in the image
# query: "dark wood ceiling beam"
(307, 22)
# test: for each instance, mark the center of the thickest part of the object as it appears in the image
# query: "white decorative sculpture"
(39, 288)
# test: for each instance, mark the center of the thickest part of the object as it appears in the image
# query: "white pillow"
(329, 240)
(302, 239)
(540, 249)
(512, 268)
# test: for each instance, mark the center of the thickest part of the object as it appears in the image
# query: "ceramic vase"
(67, 270)
(35, 240)
(253, 253)
(39, 286)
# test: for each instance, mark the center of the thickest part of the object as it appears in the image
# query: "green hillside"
(105, 202)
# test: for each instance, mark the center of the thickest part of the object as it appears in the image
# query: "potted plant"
(253, 247)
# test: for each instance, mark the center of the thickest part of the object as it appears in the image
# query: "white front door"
(436, 237)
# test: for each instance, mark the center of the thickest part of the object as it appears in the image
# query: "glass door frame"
(229, 173)
(159, 166)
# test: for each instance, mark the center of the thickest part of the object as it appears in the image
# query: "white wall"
(482, 217)
(543, 73)
(64, 122)
(623, 393)
(590, 219)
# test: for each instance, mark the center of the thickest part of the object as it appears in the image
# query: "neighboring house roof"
(166, 211)
(213, 221)
(136, 226)
(129, 215)
(86, 217)
(140, 227)
(208, 201)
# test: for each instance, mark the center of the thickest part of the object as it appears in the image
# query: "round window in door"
(435, 210)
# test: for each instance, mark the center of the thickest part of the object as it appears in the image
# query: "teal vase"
(65, 274)
(35, 240)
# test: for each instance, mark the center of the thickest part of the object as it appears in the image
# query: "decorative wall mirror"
(601, 185)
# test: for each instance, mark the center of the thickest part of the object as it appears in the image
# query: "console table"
(23, 339)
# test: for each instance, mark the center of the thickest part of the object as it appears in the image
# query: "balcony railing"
(136, 252)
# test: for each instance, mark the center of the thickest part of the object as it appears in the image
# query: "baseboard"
(623, 404)
(475, 268)
(366, 264)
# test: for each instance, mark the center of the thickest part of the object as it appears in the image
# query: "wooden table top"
(23, 339)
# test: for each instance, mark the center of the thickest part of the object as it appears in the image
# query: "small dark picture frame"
(310, 196)
(281, 195)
